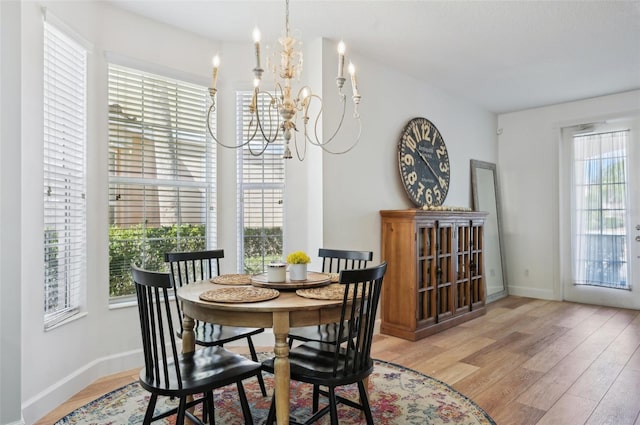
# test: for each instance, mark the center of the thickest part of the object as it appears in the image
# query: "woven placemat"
(335, 291)
(335, 277)
(232, 279)
(241, 294)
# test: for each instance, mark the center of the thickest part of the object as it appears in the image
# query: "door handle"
(637, 238)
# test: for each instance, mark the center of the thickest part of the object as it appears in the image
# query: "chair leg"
(316, 397)
(364, 401)
(254, 357)
(271, 417)
(365, 381)
(182, 408)
(150, 409)
(333, 406)
(210, 409)
(246, 412)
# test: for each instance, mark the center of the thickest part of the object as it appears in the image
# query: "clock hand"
(426, 162)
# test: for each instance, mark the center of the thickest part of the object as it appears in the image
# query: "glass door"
(602, 214)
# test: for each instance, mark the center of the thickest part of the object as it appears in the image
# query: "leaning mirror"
(486, 197)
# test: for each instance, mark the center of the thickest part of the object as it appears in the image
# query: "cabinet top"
(417, 212)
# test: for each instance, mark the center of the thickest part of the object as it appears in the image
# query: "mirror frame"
(475, 165)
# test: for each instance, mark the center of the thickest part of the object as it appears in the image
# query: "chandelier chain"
(287, 19)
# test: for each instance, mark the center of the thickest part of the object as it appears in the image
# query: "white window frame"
(172, 131)
(265, 213)
(64, 203)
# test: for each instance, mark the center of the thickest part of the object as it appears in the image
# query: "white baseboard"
(523, 291)
(53, 396)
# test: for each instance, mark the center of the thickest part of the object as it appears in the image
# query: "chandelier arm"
(264, 148)
(268, 139)
(324, 148)
(304, 153)
(251, 137)
(211, 109)
(302, 103)
(335, 133)
(318, 141)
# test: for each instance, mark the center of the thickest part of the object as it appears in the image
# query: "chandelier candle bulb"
(354, 81)
(256, 41)
(216, 64)
(341, 50)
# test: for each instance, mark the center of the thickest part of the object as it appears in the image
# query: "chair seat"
(313, 362)
(210, 334)
(198, 369)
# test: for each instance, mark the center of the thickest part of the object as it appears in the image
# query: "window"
(161, 172)
(65, 94)
(260, 193)
(600, 209)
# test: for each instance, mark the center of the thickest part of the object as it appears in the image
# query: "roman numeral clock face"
(424, 163)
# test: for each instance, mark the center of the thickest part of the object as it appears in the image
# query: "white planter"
(297, 272)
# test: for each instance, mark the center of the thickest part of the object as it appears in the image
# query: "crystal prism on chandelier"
(280, 110)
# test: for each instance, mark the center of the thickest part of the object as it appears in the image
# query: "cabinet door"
(426, 273)
(445, 295)
(462, 266)
(477, 283)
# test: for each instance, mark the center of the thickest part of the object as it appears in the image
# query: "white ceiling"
(502, 55)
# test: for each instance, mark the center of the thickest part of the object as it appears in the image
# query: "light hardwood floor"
(525, 362)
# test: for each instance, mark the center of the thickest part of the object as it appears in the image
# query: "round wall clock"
(424, 163)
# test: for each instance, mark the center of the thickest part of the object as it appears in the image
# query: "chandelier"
(277, 112)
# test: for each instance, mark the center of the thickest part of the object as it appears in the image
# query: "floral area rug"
(397, 396)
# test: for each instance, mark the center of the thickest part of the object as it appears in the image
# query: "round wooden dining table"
(282, 313)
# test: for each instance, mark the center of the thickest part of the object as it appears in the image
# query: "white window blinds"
(65, 82)
(161, 172)
(260, 191)
(600, 243)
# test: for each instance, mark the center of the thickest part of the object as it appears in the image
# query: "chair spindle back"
(189, 267)
(336, 260)
(156, 325)
(357, 320)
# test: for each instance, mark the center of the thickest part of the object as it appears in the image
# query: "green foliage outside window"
(145, 246)
(262, 245)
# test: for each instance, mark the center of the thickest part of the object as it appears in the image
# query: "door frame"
(593, 294)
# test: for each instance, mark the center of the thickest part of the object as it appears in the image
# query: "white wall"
(10, 213)
(366, 180)
(529, 172)
(337, 206)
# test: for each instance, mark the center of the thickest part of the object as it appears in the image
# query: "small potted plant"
(298, 261)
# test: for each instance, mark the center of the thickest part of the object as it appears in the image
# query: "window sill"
(116, 305)
(70, 319)
(127, 303)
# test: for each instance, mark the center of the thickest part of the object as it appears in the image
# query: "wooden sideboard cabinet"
(435, 271)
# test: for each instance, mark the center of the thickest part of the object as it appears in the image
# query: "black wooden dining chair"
(333, 261)
(333, 365)
(169, 373)
(189, 267)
